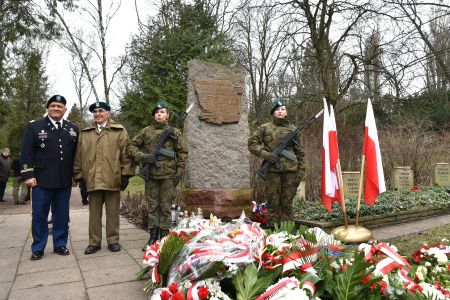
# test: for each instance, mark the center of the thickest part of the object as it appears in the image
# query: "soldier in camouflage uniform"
(160, 187)
(281, 184)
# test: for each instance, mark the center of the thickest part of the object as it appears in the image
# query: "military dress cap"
(159, 105)
(56, 98)
(99, 104)
(279, 103)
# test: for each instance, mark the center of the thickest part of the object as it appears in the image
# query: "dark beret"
(159, 105)
(56, 98)
(277, 104)
(100, 104)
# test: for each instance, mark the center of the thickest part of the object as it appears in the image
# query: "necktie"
(59, 125)
(100, 128)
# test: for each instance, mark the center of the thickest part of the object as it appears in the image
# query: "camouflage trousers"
(159, 194)
(281, 189)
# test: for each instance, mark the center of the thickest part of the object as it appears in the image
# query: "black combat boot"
(154, 233)
(163, 232)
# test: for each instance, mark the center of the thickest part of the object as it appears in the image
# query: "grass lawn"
(411, 243)
(136, 185)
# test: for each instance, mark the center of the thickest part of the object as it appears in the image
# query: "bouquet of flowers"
(218, 251)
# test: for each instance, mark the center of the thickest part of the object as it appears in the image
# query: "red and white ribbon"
(278, 290)
(298, 259)
(308, 285)
(192, 293)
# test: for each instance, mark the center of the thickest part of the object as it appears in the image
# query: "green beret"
(277, 104)
(159, 105)
(56, 98)
(100, 104)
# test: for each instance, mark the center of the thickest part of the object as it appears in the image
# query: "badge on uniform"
(42, 145)
(72, 132)
(42, 134)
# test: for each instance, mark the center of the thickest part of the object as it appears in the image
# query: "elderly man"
(47, 153)
(5, 167)
(104, 165)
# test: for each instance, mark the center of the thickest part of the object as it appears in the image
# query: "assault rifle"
(281, 148)
(159, 150)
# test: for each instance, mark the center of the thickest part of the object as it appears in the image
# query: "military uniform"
(159, 189)
(47, 154)
(281, 184)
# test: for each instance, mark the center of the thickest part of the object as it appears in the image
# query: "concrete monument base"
(223, 203)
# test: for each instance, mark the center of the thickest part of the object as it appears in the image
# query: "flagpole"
(341, 191)
(363, 162)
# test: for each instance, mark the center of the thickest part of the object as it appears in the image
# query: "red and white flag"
(374, 167)
(330, 155)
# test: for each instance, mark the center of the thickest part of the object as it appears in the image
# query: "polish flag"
(374, 167)
(330, 155)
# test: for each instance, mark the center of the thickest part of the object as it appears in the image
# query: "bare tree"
(261, 35)
(100, 21)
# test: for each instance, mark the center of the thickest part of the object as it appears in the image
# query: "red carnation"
(203, 292)
(165, 295)
(173, 288)
(178, 296)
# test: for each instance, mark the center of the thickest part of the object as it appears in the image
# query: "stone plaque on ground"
(219, 100)
(217, 176)
(441, 174)
(351, 184)
(402, 178)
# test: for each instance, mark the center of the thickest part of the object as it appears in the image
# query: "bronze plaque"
(351, 184)
(220, 101)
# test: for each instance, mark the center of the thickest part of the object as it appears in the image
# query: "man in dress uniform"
(47, 154)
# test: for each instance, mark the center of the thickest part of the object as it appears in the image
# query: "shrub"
(135, 209)
(387, 203)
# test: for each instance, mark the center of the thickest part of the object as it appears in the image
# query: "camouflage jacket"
(146, 141)
(268, 136)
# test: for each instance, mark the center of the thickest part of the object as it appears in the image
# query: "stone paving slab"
(71, 290)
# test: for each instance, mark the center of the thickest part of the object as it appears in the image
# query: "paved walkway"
(103, 275)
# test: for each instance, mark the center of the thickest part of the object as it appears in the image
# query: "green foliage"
(159, 57)
(169, 253)
(250, 282)
(28, 96)
(347, 283)
(387, 202)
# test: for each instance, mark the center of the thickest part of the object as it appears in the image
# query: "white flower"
(295, 294)
(430, 291)
(421, 272)
(427, 264)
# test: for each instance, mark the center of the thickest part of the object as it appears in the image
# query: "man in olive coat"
(281, 183)
(102, 162)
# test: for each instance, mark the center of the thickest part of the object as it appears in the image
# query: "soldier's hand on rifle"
(272, 158)
(148, 158)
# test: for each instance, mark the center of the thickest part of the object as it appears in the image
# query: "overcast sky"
(123, 25)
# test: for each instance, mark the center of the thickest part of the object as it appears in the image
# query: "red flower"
(203, 292)
(165, 295)
(415, 188)
(178, 296)
(173, 288)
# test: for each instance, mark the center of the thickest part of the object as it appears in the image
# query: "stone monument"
(217, 177)
(441, 175)
(402, 178)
